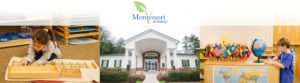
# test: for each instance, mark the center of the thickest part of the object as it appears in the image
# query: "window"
(185, 63)
(172, 63)
(118, 63)
(130, 53)
(129, 62)
(171, 53)
(163, 64)
(104, 63)
(197, 63)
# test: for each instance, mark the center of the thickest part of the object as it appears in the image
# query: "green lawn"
(142, 82)
(162, 81)
(139, 82)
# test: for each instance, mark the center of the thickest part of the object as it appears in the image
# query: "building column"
(125, 60)
(133, 59)
(168, 62)
(175, 59)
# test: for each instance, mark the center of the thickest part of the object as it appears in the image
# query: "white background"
(207, 12)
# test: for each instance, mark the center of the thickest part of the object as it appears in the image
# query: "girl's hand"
(59, 57)
(24, 61)
(269, 62)
(35, 64)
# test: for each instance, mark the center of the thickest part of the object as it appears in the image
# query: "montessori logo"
(144, 15)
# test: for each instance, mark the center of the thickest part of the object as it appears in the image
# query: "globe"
(258, 48)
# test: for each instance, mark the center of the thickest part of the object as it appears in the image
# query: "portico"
(151, 50)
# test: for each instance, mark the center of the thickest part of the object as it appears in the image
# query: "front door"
(151, 64)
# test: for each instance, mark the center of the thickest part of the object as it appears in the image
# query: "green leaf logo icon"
(140, 7)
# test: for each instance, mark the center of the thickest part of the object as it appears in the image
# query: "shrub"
(113, 75)
(111, 69)
(192, 75)
(132, 78)
(162, 76)
(195, 76)
(136, 77)
(142, 77)
(128, 67)
(173, 67)
(185, 69)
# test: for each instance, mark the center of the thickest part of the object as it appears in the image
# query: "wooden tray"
(74, 64)
(70, 73)
(89, 70)
(32, 72)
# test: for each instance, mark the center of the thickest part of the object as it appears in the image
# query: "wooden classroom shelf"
(290, 32)
(17, 42)
(63, 31)
(293, 44)
(201, 68)
(70, 22)
(12, 43)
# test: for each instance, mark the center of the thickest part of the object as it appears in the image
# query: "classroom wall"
(240, 34)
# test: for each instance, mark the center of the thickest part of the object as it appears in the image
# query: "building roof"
(154, 31)
(119, 54)
(184, 54)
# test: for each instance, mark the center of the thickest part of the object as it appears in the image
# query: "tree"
(185, 43)
(191, 44)
(119, 46)
(105, 42)
(108, 44)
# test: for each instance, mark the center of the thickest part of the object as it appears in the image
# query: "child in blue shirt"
(285, 62)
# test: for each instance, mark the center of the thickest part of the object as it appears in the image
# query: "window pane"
(185, 63)
(115, 62)
(182, 63)
(120, 64)
(197, 63)
(188, 62)
(172, 63)
(130, 52)
(107, 61)
(104, 63)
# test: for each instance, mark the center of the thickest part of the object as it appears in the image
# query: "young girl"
(285, 61)
(42, 49)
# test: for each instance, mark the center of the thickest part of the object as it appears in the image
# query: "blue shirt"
(286, 74)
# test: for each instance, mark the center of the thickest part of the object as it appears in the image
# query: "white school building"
(152, 51)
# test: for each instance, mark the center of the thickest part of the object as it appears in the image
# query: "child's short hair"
(284, 42)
